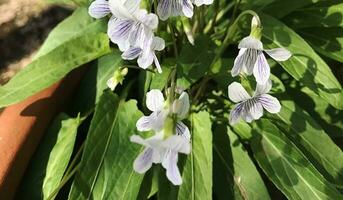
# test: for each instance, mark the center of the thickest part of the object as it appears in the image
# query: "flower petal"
(131, 53)
(170, 164)
(99, 9)
(154, 100)
(254, 108)
(182, 129)
(177, 143)
(238, 63)
(138, 140)
(236, 114)
(146, 59)
(145, 123)
(176, 8)
(249, 60)
(163, 9)
(124, 9)
(181, 105)
(144, 161)
(270, 103)
(119, 31)
(250, 43)
(202, 2)
(157, 64)
(261, 69)
(112, 84)
(187, 8)
(158, 44)
(149, 20)
(279, 54)
(157, 120)
(263, 89)
(237, 93)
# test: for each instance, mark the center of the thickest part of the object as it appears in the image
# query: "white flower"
(156, 103)
(251, 108)
(146, 56)
(172, 8)
(162, 151)
(129, 25)
(251, 59)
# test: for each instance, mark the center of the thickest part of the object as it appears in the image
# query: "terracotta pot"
(22, 126)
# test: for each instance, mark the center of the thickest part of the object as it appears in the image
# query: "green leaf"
(94, 82)
(311, 138)
(106, 168)
(326, 41)
(305, 65)
(237, 171)
(285, 7)
(51, 159)
(287, 167)
(330, 16)
(158, 81)
(254, 4)
(78, 24)
(197, 172)
(194, 61)
(50, 68)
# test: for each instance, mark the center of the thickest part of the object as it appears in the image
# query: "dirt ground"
(24, 24)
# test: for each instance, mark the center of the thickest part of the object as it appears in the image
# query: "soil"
(24, 25)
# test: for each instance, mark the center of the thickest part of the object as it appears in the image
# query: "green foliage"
(106, 169)
(298, 150)
(51, 159)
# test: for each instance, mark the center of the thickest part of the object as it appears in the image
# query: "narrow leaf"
(287, 167)
(197, 172)
(106, 169)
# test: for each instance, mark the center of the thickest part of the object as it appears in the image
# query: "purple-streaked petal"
(177, 143)
(145, 123)
(236, 114)
(149, 20)
(158, 118)
(131, 53)
(250, 58)
(163, 9)
(263, 89)
(144, 161)
(119, 31)
(146, 59)
(124, 9)
(279, 54)
(250, 43)
(237, 93)
(270, 103)
(238, 63)
(187, 8)
(155, 100)
(261, 69)
(176, 8)
(254, 108)
(182, 129)
(99, 9)
(170, 164)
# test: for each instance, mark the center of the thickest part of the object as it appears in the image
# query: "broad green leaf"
(305, 65)
(51, 159)
(106, 168)
(287, 166)
(50, 68)
(197, 172)
(194, 61)
(326, 41)
(237, 169)
(94, 82)
(330, 16)
(78, 24)
(285, 7)
(254, 4)
(311, 138)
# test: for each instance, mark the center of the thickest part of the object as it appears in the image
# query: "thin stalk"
(172, 32)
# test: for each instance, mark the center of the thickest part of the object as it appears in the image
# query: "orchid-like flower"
(172, 8)
(160, 110)
(162, 151)
(251, 60)
(251, 108)
(146, 56)
(129, 25)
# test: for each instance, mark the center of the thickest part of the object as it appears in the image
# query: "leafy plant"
(170, 108)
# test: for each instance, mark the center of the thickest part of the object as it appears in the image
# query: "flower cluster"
(170, 137)
(251, 60)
